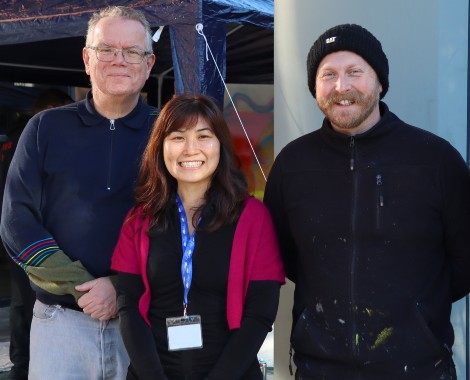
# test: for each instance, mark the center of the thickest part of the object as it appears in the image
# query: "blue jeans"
(70, 345)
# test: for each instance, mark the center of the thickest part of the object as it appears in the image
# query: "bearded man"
(373, 219)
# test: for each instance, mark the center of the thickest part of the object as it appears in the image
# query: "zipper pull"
(379, 182)
(351, 160)
(111, 125)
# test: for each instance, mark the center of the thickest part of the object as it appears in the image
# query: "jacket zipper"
(112, 128)
(380, 197)
(352, 167)
(352, 159)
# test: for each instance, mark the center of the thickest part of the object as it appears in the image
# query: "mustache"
(351, 97)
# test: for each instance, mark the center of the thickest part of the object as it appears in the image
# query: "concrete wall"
(426, 43)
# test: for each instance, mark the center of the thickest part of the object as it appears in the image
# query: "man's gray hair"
(124, 12)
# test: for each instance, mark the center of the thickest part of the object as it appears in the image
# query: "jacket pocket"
(435, 344)
(316, 337)
(412, 348)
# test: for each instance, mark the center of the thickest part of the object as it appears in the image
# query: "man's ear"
(86, 60)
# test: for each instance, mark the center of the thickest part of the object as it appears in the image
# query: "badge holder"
(184, 333)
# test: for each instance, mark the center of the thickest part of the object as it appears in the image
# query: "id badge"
(184, 333)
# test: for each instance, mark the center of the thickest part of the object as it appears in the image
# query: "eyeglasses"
(131, 55)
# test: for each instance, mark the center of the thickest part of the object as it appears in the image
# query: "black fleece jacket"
(374, 230)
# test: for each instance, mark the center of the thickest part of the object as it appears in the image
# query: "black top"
(207, 296)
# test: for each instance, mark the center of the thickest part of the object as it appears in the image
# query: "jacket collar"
(136, 119)
(387, 123)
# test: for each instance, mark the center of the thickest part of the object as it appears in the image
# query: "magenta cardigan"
(255, 256)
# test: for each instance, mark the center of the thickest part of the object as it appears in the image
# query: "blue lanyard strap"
(188, 249)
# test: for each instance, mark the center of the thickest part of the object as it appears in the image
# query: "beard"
(347, 118)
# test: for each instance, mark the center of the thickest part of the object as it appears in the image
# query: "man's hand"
(99, 301)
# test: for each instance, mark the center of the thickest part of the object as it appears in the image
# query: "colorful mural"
(255, 106)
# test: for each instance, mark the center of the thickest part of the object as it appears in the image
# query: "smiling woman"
(195, 254)
(191, 155)
(191, 129)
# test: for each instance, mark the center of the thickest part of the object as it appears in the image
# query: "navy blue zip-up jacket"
(375, 232)
(70, 185)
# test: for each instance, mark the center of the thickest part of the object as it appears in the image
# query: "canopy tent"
(41, 42)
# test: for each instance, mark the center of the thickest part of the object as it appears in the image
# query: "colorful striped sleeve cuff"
(37, 252)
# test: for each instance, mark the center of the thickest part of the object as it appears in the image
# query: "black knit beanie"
(353, 38)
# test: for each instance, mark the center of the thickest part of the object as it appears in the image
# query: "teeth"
(345, 102)
(191, 164)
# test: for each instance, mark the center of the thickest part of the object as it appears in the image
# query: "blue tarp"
(37, 21)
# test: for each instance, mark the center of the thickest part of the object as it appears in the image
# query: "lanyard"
(188, 249)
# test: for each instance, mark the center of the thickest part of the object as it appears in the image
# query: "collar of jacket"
(136, 119)
(387, 123)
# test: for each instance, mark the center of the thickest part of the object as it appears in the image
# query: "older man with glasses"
(68, 190)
